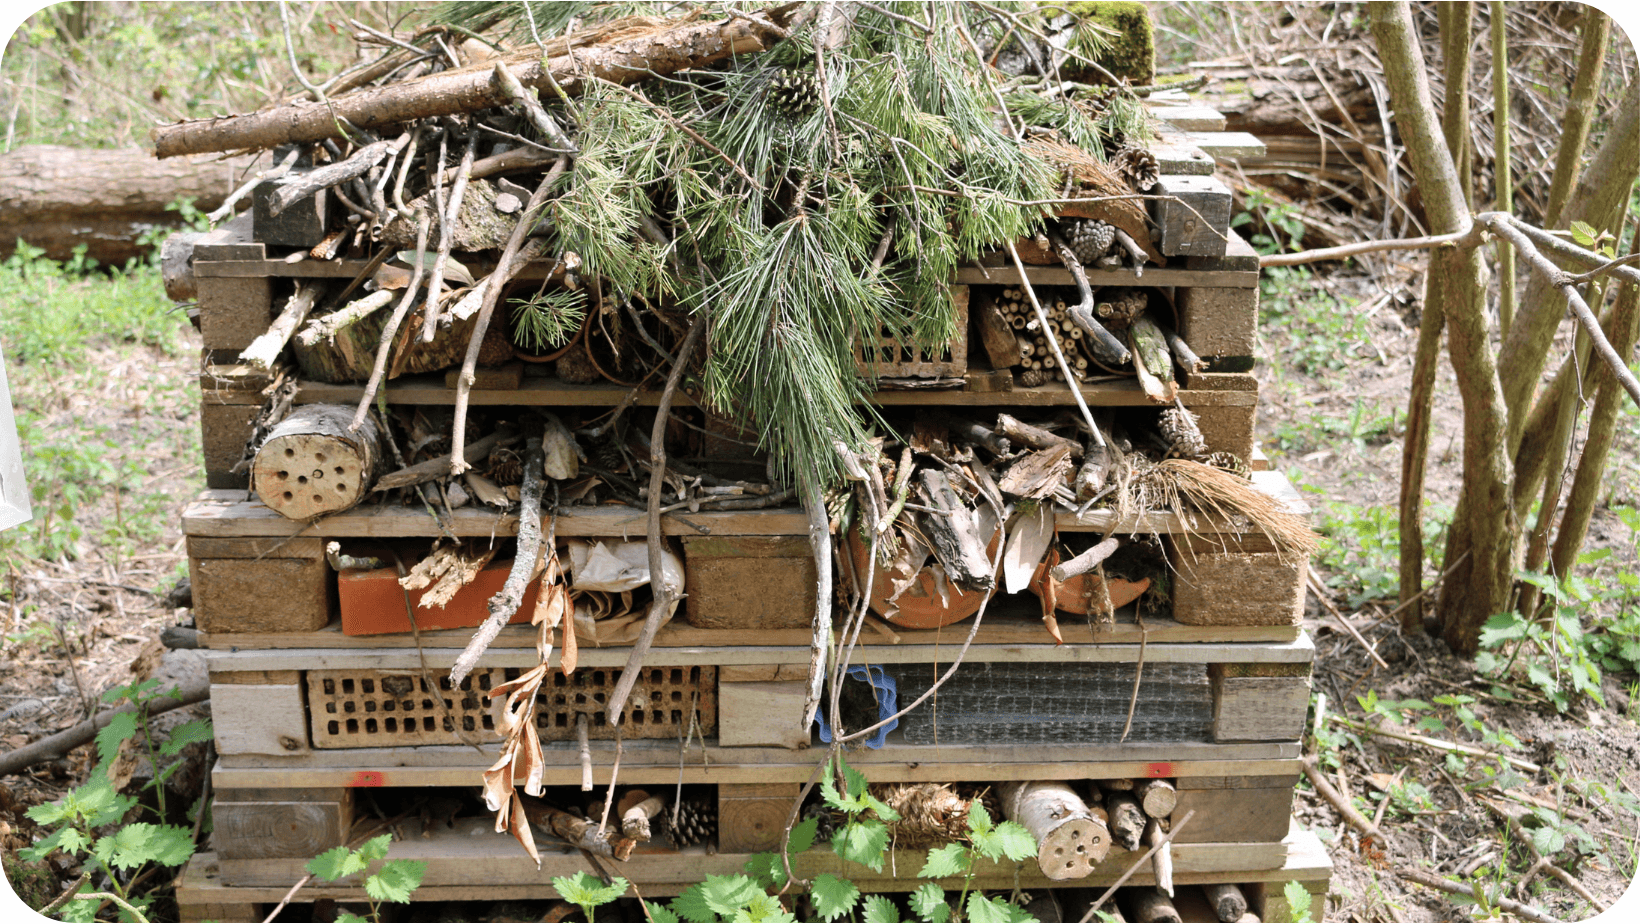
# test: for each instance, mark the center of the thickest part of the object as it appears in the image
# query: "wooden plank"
(1219, 322)
(233, 312)
(752, 673)
(254, 718)
(1304, 860)
(453, 854)
(304, 547)
(281, 678)
(232, 383)
(497, 378)
(223, 432)
(1013, 630)
(1283, 781)
(1195, 219)
(752, 816)
(762, 714)
(999, 275)
(654, 762)
(1239, 256)
(1299, 651)
(1258, 708)
(1227, 144)
(1242, 815)
(1176, 155)
(227, 513)
(259, 830)
(1189, 118)
(429, 389)
(232, 241)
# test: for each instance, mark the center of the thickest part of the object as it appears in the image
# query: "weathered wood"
(233, 312)
(253, 830)
(57, 197)
(1086, 561)
(1162, 860)
(311, 464)
(1151, 904)
(1194, 218)
(1156, 797)
(1038, 474)
(954, 535)
(261, 719)
(264, 350)
(678, 44)
(1235, 586)
(1070, 840)
(1152, 359)
(439, 466)
(1258, 708)
(752, 817)
(1226, 900)
(1220, 323)
(224, 430)
(1127, 819)
(996, 335)
(762, 714)
(580, 832)
(259, 585)
(1035, 437)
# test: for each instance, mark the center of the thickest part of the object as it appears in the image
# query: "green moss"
(1132, 52)
(34, 883)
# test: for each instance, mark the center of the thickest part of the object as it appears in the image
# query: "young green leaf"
(661, 914)
(348, 917)
(395, 880)
(1584, 233)
(141, 842)
(950, 860)
(122, 726)
(833, 897)
(928, 903)
(982, 910)
(185, 734)
(862, 842)
(336, 863)
(880, 910)
(691, 904)
(375, 848)
(767, 869)
(1298, 900)
(727, 894)
(765, 908)
(803, 834)
(979, 820)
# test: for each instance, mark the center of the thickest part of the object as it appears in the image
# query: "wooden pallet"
(202, 893)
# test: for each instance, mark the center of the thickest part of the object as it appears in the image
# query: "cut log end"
(311, 465)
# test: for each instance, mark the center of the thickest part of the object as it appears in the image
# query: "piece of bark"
(561, 457)
(685, 42)
(1182, 352)
(1157, 797)
(488, 492)
(954, 535)
(439, 466)
(1151, 904)
(1070, 841)
(1039, 474)
(579, 832)
(264, 350)
(1093, 472)
(1152, 359)
(1087, 561)
(1161, 860)
(1226, 900)
(311, 464)
(997, 336)
(1127, 819)
(1035, 437)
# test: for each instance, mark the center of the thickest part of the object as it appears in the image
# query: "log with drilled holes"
(1070, 840)
(311, 464)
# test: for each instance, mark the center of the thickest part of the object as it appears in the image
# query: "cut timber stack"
(325, 736)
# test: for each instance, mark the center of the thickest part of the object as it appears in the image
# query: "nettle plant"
(393, 881)
(125, 856)
(863, 839)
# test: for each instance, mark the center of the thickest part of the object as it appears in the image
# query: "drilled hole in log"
(319, 456)
(290, 453)
(341, 488)
(301, 479)
(289, 495)
(283, 475)
(318, 498)
(338, 470)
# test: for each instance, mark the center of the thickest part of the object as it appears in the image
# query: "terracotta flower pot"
(920, 606)
(1075, 594)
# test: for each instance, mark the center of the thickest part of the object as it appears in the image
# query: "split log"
(1152, 359)
(1157, 797)
(1161, 858)
(423, 472)
(264, 350)
(561, 458)
(579, 832)
(1035, 437)
(1227, 901)
(954, 536)
(1087, 561)
(311, 464)
(996, 334)
(57, 198)
(1127, 819)
(674, 45)
(1095, 469)
(1039, 474)
(1151, 904)
(326, 328)
(1070, 841)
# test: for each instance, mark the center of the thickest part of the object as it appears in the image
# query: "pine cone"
(1096, 101)
(1089, 238)
(1230, 462)
(505, 467)
(1179, 429)
(795, 93)
(1031, 378)
(696, 824)
(1139, 167)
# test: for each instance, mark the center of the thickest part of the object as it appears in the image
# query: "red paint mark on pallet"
(1159, 770)
(368, 779)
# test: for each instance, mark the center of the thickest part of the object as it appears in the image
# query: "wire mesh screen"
(364, 708)
(1025, 703)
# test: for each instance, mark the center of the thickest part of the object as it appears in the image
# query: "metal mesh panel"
(364, 708)
(1029, 703)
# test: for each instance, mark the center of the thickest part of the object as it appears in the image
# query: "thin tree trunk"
(1503, 183)
(1480, 585)
(1574, 137)
(1456, 23)
(1414, 458)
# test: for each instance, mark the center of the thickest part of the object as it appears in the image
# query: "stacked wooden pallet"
(322, 735)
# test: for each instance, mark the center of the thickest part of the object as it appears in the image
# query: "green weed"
(393, 881)
(1361, 546)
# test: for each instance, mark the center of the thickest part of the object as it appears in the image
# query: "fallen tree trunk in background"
(57, 745)
(56, 197)
(663, 48)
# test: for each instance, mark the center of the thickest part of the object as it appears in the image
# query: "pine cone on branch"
(794, 93)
